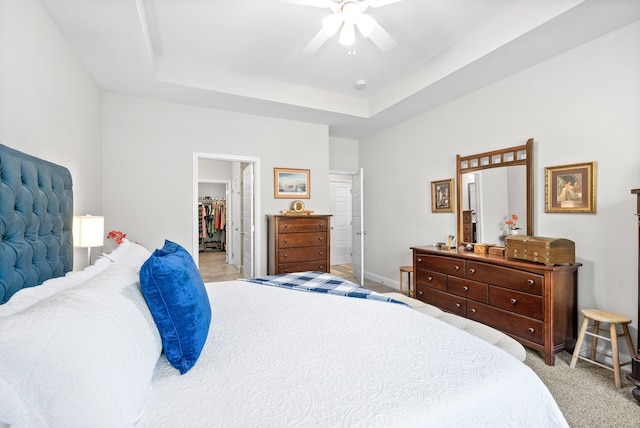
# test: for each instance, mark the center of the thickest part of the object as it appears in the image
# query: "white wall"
(148, 151)
(580, 106)
(343, 155)
(49, 104)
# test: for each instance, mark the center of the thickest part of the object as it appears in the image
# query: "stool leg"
(627, 337)
(594, 339)
(576, 351)
(400, 281)
(614, 350)
(409, 284)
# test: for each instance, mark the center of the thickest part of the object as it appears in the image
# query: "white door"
(358, 226)
(340, 201)
(248, 226)
(236, 223)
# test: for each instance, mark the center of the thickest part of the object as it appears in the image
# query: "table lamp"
(88, 231)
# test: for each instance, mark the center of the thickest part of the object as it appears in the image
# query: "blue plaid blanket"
(321, 282)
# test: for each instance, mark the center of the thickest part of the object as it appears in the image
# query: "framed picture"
(570, 188)
(442, 196)
(291, 183)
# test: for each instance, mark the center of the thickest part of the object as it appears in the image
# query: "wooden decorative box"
(496, 251)
(481, 248)
(549, 251)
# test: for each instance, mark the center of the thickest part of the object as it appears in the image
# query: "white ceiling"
(246, 55)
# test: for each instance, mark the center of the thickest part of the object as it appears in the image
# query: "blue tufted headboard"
(36, 218)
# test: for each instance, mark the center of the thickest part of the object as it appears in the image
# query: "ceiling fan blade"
(381, 38)
(316, 43)
(315, 3)
(380, 3)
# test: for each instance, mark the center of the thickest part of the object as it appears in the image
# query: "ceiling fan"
(347, 15)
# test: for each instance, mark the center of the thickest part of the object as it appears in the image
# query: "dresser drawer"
(302, 254)
(290, 240)
(505, 277)
(302, 224)
(517, 325)
(440, 264)
(522, 303)
(445, 301)
(318, 265)
(427, 278)
(470, 289)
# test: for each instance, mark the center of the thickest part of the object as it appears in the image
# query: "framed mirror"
(494, 194)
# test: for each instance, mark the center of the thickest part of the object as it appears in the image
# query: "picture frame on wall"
(442, 200)
(570, 188)
(290, 183)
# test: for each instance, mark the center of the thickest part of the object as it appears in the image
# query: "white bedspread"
(283, 358)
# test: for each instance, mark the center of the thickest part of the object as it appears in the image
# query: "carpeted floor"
(586, 395)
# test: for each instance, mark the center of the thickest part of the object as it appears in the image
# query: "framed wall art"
(291, 183)
(442, 196)
(570, 188)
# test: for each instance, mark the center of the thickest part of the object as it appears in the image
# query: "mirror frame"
(511, 156)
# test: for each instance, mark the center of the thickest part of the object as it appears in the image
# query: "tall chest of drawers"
(298, 243)
(533, 303)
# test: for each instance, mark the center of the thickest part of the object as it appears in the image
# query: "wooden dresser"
(298, 243)
(634, 376)
(467, 226)
(533, 303)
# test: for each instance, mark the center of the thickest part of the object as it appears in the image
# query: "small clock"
(298, 206)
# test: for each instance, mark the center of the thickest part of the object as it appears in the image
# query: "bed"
(89, 348)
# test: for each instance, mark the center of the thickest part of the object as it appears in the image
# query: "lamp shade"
(88, 231)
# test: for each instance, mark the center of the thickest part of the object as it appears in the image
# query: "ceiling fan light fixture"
(331, 24)
(347, 35)
(366, 24)
(351, 12)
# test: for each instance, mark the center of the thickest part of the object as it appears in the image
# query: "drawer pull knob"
(465, 288)
(321, 225)
(320, 252)
(531, 330)
(458, 305)
(456, 267)
(286, 240)
(429, 278)
(286, 255)
(530, 282)
(512, 301)
(472, 271)
(419, 260)
(474, 310)
(285, 225)
(420, 292)
(321, 238)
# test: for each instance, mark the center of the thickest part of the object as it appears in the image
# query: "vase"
(515, 231)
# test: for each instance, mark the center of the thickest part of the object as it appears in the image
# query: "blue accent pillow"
(178, 301)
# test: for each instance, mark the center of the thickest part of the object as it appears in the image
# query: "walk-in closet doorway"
(225, 209)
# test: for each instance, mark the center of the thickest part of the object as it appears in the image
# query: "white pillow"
(129, 253)
(82, 357)
(31, 295)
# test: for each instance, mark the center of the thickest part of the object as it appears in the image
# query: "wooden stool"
(613, 319)
(409, 271)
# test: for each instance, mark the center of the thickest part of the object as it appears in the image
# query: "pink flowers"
(512, 223)
(117, 236)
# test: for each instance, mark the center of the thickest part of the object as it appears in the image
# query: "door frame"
(256, 207)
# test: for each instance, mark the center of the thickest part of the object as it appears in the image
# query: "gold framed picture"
(291, 183)
(570, 188)
(442, 196)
